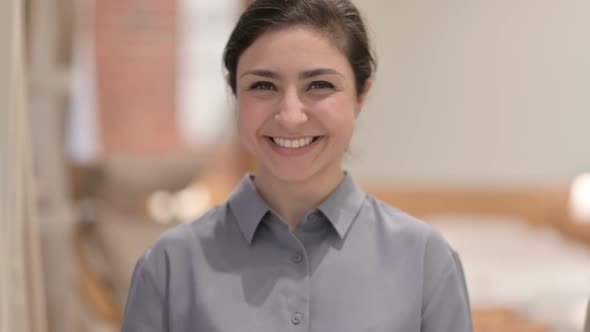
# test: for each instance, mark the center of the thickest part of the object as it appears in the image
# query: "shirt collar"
(340, 208)
(248, 207)
(343, 205)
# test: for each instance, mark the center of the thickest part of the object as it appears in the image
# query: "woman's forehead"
(295, 49)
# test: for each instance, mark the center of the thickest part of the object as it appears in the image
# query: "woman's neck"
(291, 200)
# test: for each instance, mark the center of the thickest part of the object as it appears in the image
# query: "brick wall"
(136, 48)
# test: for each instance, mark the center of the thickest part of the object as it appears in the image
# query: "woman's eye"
(262, 86)
(320, 85)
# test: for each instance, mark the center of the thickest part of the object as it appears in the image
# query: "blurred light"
(159, 207)
(185, 205)
(579, 200)
(191, 202)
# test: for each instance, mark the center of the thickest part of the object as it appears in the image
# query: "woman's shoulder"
(183, 239)
(401, 225)
(391, 216)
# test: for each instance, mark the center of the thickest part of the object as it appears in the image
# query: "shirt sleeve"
(446, 305)
(145, 310)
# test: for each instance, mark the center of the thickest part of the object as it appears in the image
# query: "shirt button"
(297, 258)
(297, 318)
(314, 218)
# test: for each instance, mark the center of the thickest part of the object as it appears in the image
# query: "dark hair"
(338, 19)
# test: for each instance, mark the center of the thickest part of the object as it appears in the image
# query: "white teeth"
(293, 144)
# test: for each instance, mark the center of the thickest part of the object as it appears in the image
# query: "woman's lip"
(292, 152)
(292, 137)
(301, 139)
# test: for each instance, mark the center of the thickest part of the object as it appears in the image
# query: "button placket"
(297, 258)
(298, 306)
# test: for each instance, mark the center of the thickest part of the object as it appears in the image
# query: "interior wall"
(22, 300)
(476, 92)
(5, 56)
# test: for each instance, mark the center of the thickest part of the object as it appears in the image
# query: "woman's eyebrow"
(262, 73)
(303, 75)
(316, 72)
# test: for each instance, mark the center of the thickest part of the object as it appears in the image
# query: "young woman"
(298, 246)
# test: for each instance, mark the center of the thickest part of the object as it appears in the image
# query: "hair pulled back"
(339, 20)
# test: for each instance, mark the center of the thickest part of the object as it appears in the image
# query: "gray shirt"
(353, 264)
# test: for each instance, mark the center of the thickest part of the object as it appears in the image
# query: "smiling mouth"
(293, 143)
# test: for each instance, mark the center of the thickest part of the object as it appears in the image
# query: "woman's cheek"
(335, 110)
(250, 119)
(251, 104)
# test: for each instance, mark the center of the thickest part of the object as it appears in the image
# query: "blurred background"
(116, 125)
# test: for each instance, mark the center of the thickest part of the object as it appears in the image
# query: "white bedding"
(535, 270)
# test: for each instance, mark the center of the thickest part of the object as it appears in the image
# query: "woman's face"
(297, 104)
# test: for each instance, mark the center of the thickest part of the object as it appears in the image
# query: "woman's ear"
(363, 96)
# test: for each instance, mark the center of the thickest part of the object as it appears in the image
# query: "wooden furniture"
(503, 320)
(540, 206)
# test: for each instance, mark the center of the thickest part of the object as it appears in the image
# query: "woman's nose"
(292, 111)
